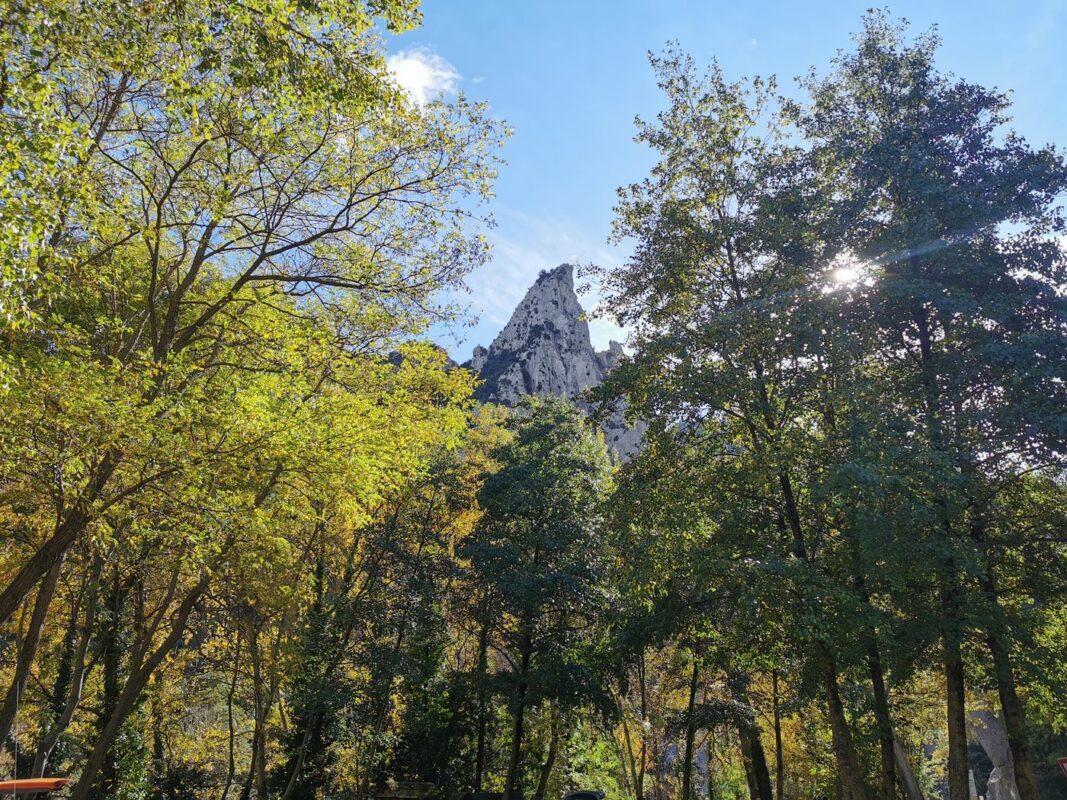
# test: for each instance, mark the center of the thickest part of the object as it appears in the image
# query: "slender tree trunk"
(690, 734)
(52, 552)
(882, 716)
(70, 680)
(514, 761)
(759, 766)
(550, 760)
(1011, 705)
(231, 755)
(759, 778)
(310, 730)
(263, 699)
(955, 698)
(630, 757)
(27, 649)
(1014, 721)
(844, 752)
(510, 790)
(113, 649)
(907, 778)
(132, 691)
(642, 766)
(753, 756)
(779, 760)
(483, 716)
(750, 773)
(951, 630)
(883, 720)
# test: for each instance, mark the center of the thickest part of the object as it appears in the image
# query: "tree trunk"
(515, 758)
(1014, 721)
(746, 760)
(231, 755)
(883, 719)
(907, 777)
(132, 691)
(112, 654)
(633, 782)
(510, 792)
(27, 649)
(759, 778)
(844, 752)
(642, 767)
(70, 678)
(951, 632)
(690, 734)
(550, 761)
(1010, 704)
(261, 700)
(483, 721)
(310, 730)
(779, 760)
(53, 551)
(955, 698)
(752, 754)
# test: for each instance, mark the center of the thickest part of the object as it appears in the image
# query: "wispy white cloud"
(423, 74)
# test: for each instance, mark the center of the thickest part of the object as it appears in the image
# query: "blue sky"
(569, 77)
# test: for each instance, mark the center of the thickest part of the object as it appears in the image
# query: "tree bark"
(907, 777)
(690, 734)
(746, 760)
(113, 650)
(483, 721)
(132, 691)
(752, 754)
(231, 756)
(70, 680)
(844, 752)
(955, 700)
(951, 632)
(631, 760)
(257, 775)
(1014, 721)
(53, 551)
(550, 761)
(755, 760)
(883, 720)
(779, 760)
(515, 758)
(1010, 703)
(27, 649)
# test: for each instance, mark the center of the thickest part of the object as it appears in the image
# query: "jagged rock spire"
(545, 350)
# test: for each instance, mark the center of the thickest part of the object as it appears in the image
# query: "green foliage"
(258, 541)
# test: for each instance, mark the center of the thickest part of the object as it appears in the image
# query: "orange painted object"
(32, 785)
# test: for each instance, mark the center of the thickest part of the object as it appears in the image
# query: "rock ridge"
(545, 350)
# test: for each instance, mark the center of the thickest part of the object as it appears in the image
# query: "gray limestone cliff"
(545, 350)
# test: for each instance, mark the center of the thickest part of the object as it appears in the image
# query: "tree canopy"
(260, 541)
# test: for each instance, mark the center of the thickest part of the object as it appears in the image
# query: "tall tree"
(727, 293)
(952, 223)
(539, 550)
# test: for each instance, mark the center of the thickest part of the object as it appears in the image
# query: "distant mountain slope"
(545, 350)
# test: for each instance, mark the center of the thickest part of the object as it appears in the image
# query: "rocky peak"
(545, 350)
